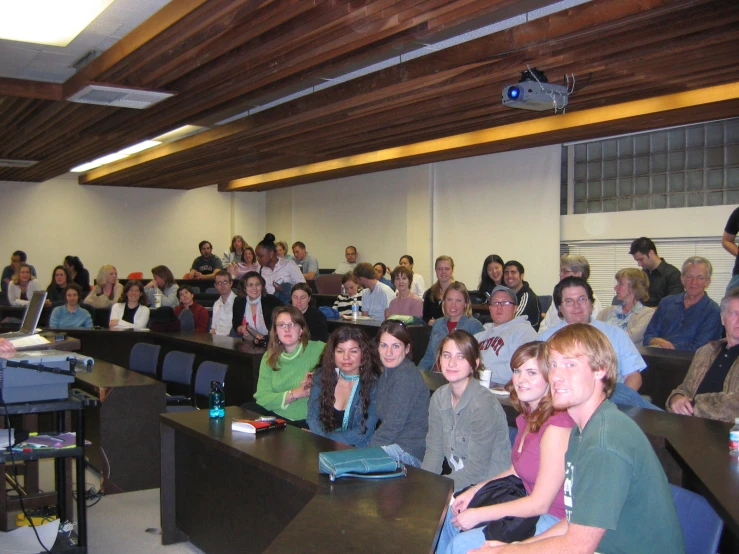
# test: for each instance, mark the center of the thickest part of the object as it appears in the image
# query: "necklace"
(348, 377)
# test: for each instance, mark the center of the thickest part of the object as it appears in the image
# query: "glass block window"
(681, 167)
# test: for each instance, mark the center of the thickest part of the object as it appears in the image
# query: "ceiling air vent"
(118, 97)
(18, 164)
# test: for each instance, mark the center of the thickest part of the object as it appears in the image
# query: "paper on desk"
(23, 540)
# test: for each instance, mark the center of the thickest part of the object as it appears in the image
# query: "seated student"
(281, 250)
(307, 263)
(252, 314)
(570, 265)
(538, 459)
(402, 398)
(249, 264)
(528, 303)
(380, 270)
(300, 298)
(70, 315)
(286, 370)
(77, 272)
(492, 274)
(711, 386)
(16, 259)
(107, 291)
(418, 287)
(280, 274)
(206, 265)
(352, 291)
(130, 312)
(500, 339)
(223, 308)
(342, 404)
(162, 283)
(467, 425)
(350, 254)
(432, 298)
(199, 313)
(688, 320)
(22, 286)
(235, 253)
(376, 296)
(616, 495)
(57, 289)
(458, 315)
(630, 314)
(405, 303)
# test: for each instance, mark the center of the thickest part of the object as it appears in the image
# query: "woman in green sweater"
(286, 371)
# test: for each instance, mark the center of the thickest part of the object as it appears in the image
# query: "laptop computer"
(30, 318)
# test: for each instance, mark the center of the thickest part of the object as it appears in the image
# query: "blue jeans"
(400, 455)
(626, 396)
(452, 541)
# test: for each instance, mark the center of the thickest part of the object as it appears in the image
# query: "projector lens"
(514, 93)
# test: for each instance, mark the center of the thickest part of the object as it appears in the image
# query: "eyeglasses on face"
(286, 326)
(503, 304)
(222, 283)
(572, 301)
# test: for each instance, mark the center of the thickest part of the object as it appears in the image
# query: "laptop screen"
(33, 312)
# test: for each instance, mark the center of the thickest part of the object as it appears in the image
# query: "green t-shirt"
(614, 481)
(273, 385)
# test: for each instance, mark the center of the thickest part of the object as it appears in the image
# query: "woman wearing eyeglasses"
(253, 314)
(285, 374)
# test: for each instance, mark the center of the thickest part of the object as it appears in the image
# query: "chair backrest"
(187, 321)
(144, 358)
(177, 367)
(195, 290)
(328, 284)
(700, 523)
(211, 290)
(208, 372)
(135, 275)
(544, 303)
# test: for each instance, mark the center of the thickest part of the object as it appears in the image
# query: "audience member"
(538, 459)
(279, 274)
(351, 291)
(664, 279)
(528, 303)
(343, 398)
(16, 259)
(405, 303)
(70, 315)
(402, 398)
(500, 339)
(22, 286)
(223, 308)
(688, 320)
(432, 298)
(78, 272)
(252, 315)
(162, 284)
(235, 253)
(376, 296)
(350, 253)
(206, 265)
(492, 274)
(458, 315)
(573, 299)
(301, 298)
(419, 284)
(711, 386)
(57, 289)
(248, 264)
(570, 265)
(380, 270)
(107, 291)
(286, 370)
(199, 313)
(467, 425)
(130, 312)
(307, 263)
(728, 241)
(630, 314)
(616, 495)
(281, 250)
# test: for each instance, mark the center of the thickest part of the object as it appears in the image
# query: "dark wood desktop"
(233, 492)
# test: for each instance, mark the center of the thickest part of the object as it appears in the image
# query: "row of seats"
(177, 374)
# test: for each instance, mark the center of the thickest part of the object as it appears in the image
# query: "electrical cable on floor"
(91, 494)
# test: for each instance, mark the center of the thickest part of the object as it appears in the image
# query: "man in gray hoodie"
(501, 338)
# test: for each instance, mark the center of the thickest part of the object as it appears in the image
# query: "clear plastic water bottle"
(734, 438)
(355, 310)
(216, 401)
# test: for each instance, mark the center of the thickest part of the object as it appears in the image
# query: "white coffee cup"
(485, 376)
(158, 302)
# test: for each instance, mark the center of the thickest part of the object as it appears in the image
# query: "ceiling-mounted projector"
(533, 92)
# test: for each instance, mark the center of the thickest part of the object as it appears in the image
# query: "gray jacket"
(403, 407)
(473, 435)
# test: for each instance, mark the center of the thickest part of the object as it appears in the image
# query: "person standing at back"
(664, 279)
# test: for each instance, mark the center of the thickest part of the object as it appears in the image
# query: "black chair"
(177, 375)
(144, 358)
(544, 303)
(211, 290)
(206, 373)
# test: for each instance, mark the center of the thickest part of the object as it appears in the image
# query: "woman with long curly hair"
(342, 404)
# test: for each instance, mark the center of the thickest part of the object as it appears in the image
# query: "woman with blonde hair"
(630, 314)
(235, 253)
(22, 286)
(433, 297)
(107, 290)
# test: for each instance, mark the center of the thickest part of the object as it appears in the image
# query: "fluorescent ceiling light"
(178, 133)
(97, 163)
(139, 147)
(49, 22)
